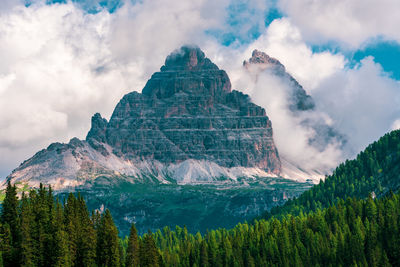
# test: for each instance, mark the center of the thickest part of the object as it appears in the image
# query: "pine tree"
(107, 242)
(42, 232)
(71, 225)
(150, 257)
(9, 216)
(9, 211)
(132, 253)
(6, 246)
(87, 244)
(27, 255)
(62, 255)
(203, 254)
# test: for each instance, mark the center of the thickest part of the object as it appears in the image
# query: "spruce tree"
(203, 254)
(6, 246)
(150, 257)
(87, 244)
(62, 255)
(27, 255)
(107, 242)
(71, 225)
(132, 253)
(9, 211)
(9, 216)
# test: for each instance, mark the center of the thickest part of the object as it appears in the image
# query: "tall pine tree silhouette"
(132, 253)
(107, 242)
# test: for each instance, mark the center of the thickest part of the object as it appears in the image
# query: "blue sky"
(51, 51)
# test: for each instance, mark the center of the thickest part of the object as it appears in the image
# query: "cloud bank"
(60, 65)
(349, 23)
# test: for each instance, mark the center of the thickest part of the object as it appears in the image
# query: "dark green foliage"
(108, 253)
(132, 252)
(149, 256)
(81, 233)
(317, 229)
(47, 233)
(9, 218)
(341, 235)
(6, 247)
(9, 214)
(376, 170)
(350, 233)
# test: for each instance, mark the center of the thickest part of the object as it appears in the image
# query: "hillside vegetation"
(38, 231)
(339, 222)
(374, 171)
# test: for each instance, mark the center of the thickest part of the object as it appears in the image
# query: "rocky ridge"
(299, 99)
(301, 106)
(187, 126)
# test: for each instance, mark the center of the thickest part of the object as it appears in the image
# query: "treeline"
(375, 170)
(38, 230)
(352, 233)
(317, 229)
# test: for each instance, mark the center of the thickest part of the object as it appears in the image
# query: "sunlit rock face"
(187, 125)
(188, 111)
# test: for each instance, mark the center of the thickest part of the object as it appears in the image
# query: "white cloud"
(363, 101)
(49, 86)
(60, 65)
(350, 23)
(291, 135)
(396, 125)
(283, 41)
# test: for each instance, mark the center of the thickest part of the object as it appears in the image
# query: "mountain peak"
(189, 58)
(187, 125)
(188, 71)
(259, 58)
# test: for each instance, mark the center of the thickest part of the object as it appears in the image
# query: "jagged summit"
(299, 99)
(188, 111)
(188, 71)
(188, 58)
(187, 125)
(261, 59)
(301, 105)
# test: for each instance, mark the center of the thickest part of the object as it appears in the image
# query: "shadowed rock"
(188, 111)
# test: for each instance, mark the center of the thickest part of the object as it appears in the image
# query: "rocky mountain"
(187, 126)
(299, 99)
(187, 150)
(301, 106)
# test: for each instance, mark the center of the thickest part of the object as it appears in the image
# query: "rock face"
(186, 121)
(188, 111)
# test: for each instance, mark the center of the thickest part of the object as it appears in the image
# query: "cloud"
(49, 79)
(7, 5)
(284, 41)
(291, 134)
(396, 125)
(363, 101)
(350, 23)
(61, 64)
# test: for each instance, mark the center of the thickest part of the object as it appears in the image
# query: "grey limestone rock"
(188, 111)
